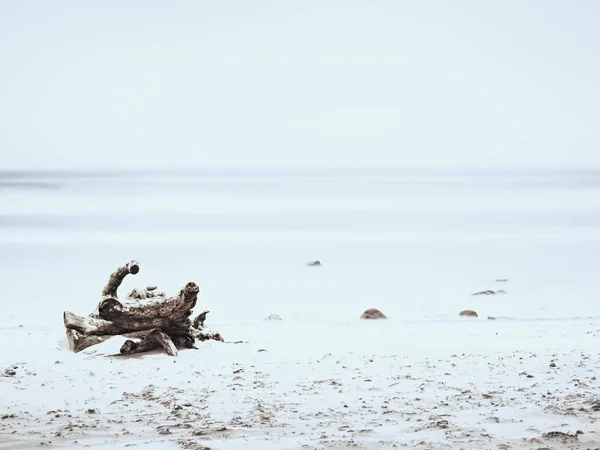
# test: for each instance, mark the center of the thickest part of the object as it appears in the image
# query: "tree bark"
(159, 321)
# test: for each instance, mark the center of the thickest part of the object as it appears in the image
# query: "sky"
(167, 84)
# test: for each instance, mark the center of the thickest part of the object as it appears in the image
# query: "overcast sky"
(299, 83)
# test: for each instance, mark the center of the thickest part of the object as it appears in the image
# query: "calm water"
(415, 244)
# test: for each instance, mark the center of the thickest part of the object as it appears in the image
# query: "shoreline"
(224, 396)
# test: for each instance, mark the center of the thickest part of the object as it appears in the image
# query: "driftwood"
(149, 315)
(156, 338)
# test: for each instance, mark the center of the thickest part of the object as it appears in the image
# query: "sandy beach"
(483, 385)
(320, 378)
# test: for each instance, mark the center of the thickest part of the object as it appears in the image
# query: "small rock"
(501, 280)
(552, 364)
(314, 264)
(261, 350)
(488, 292)
(468, 313)
(491, 318)
(373, 314)
(273, 317)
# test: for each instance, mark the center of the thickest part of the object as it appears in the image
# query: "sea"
(414, 243)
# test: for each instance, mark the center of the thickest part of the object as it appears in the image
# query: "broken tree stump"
(159, 321)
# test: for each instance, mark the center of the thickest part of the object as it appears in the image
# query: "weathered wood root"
(204, 336)
(155, 339)
(155, 312)
(116, 317)
(199, 321)
(116, 278)
(159, 321)
(79, 341)
(91, 325)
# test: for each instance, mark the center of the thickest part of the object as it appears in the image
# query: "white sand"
(417, 251)
(463, 384)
